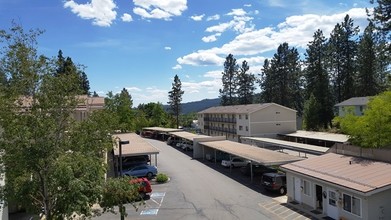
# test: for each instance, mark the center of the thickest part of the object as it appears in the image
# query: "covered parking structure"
(299, 147)
(324, 139)
(136, 146)
(159, 132)
(255, 154)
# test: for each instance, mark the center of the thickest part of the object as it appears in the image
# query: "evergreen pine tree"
(229, 81)
(246, 86)
(175, 98)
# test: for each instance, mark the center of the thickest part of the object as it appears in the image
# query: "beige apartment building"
(87, 105)
(254, 120)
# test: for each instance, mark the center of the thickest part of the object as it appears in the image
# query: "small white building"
(254, 120)
(343, 186)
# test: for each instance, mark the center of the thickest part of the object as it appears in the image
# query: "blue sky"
(141, 44)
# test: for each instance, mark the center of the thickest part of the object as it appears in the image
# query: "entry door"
(332, 208)
(297, 188)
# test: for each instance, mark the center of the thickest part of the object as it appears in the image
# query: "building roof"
(324, 136)
(136, 146)
(355, 101)
(307, 148)
(260, 155)
(239, 109)
(355, 173)
(188, 135)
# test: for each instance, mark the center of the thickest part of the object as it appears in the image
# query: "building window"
(240, 127)
(246, 128)
(277, 113)
(306, 188)
(352, 204)
(246, 117)
(278, 124)
(332, 198)
(240, 116)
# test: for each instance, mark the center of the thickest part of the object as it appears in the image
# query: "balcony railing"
(215, 119)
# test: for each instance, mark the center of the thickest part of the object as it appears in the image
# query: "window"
(278, 124)
(240, 116)
(352, 204)
(277, 113)
(246, 128)
(306, 188)
(332, 198)
(240, 127)
(246, 117)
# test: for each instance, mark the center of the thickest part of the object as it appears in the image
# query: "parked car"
(173, 140)
(187, 146)
(144, 186)
(142, 171)
(235, 162)
(130, 162)
(257, 169)
(274, 182)
(219, 156)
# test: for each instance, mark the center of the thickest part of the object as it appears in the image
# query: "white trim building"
(254, 120)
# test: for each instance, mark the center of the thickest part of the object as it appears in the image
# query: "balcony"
(220, 129)
(215, 119)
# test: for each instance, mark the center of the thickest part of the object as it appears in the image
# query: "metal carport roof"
(306, 148)
(187, 135)
(323, 136)
(137, 145)
(256, 154)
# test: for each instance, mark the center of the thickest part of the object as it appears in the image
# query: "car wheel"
(282, 191)
(233, 166)
(149, 175)
(142, 195)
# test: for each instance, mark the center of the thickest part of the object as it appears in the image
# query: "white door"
(332, 208)
(297, 189)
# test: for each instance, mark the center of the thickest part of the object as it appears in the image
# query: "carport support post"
(251, 171)
(120, 155)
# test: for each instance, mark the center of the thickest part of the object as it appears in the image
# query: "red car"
(144, 186)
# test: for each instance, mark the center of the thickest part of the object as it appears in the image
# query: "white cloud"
(197, 17)
(211, 38)
(133, 89)
(297, 31)
(213, 17)
(247, 5)
(201, 58)
(159, 9)
(126, 17)
(177, 67)
(100, 11)
(240, 23)
(237, 12)
(167, 48)
(150, 94)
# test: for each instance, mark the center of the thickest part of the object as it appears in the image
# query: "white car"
(235, 162)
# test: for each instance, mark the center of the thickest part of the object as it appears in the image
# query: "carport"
(161, 131)
(137, 146)
(324, 139)
(255, 154)
(303, 148)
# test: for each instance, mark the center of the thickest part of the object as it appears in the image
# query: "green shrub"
(161, 178)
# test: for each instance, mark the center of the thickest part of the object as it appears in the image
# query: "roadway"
(202, 190)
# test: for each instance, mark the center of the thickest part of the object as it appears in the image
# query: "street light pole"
(120, 155)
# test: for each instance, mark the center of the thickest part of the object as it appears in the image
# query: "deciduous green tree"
(121, 105)
(373, 129)
(175, 98)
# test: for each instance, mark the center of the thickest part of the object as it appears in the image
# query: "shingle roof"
(237, 109)
(355, 101)
(356, 173)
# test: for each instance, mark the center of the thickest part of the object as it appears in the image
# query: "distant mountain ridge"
(197, 106)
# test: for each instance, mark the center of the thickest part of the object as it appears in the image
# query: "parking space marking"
(153, 204)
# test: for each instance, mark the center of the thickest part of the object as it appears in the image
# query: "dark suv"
(274, 182)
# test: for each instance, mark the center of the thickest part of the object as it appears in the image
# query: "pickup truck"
(235, 162)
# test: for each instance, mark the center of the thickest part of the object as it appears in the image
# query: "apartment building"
(87, 105)
(254, 120)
